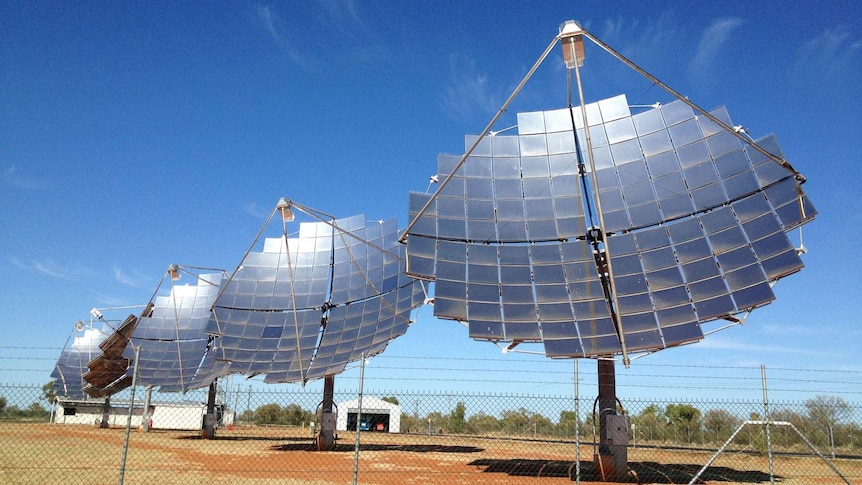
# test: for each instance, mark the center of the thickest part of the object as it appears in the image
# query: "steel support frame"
(611, 457)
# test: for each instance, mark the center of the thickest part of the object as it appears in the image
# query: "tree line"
(826, 422)
(34, 412)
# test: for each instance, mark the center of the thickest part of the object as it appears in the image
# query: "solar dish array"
(696, 227)
(300, 309)
(305, 307)
(695, 223)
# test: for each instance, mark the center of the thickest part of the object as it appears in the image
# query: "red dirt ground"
(46, 453)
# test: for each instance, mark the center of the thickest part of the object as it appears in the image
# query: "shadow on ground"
(240, 438)
(341, 448)
(639, 472)
(307, 444)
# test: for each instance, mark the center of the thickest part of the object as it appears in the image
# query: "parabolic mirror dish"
(72, 363)
(174, 352)
(304, 307)
(695, 229)
(168, 337)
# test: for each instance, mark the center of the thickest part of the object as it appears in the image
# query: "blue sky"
(134, 135)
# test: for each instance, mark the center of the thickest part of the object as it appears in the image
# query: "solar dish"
(624, 236)
(72, 363)
(304, 306)
(175, 351)
(174, 347)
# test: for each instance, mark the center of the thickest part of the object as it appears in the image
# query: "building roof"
(369, 403)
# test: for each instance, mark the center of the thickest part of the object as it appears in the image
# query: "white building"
(377, 415)
(174, 416)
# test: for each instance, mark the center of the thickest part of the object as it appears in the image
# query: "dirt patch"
(46, 453)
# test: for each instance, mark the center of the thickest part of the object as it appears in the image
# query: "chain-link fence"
(267, 436)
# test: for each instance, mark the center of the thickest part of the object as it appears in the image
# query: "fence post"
(146, 418)
(577, 428)
(358, 421)
(129, 418)
(53, 410)
(248, 416)
(767, 419)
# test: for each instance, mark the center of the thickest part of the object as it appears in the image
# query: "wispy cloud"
(467, 92)
(714, 38)
(102, 300)
(304, 31)
(49, 267)
(652, 42)
(265, 16)
(272, 24)
(342, 11)
(724, 344)
(253, 210)
(783, 329)
(12, 175)
(135, 280)
(831, 53)
(640, 39)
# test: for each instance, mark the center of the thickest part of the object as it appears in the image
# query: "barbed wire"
(485, 371)
(639, 365)
(540, 374)
(2, 358)
(509, 361)
(6, 347)
(23, 370)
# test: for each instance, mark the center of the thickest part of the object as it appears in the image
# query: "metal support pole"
(767, 419)
(358, 421)
(328, 393)
(146, 418)
(129, 418)
(209, 425)
(607, 396)
(106, 413)
(326, 435)
(606, 272)
(611, 458)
